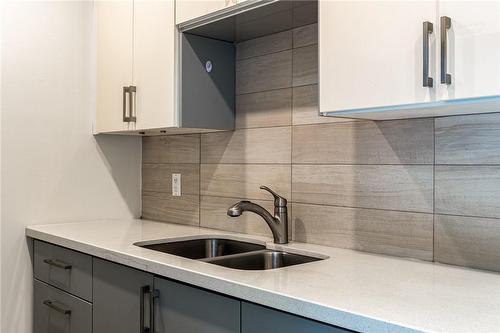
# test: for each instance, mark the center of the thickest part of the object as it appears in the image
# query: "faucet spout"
(247, 206)
(277, 223)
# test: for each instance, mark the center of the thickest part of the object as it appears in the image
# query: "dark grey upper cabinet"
(185, 309)
(259, 319)
(207, 83)
(121, 298)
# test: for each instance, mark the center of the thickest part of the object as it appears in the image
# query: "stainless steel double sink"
(230, 253)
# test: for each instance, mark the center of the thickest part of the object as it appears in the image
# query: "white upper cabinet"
(371, 53)
(152, 79)
(135, 65)
(375, 58)
(154, 64)
(473, 45)
(190, 9)
(114, 22)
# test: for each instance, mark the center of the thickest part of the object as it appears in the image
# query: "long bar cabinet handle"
(57, 263)
(57, 308)
(155, 293)
(428, 28)
(145, 290)
(132, 104)
(445, 24)
(126, 117)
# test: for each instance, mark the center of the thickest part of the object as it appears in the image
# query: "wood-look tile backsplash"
(419, 188)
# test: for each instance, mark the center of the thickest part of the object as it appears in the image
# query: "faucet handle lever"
(279, 201)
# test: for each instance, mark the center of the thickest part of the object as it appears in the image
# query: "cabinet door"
(181, 308)
(255, 318)
(114, 24)
(473, 39)
(118, 291)
(154, 63)
(371, 53)
(190, 9)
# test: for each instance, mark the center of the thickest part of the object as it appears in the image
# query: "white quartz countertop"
(358, 291)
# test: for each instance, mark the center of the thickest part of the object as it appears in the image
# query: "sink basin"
(204, 248)
(230, 253)
(261, 260)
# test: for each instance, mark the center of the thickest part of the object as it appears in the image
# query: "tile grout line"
(199, 182)
(290, 214)
(281, 50)
(274, 89)
(434, 191)
(324, 164)
(469, 216)
(276, 52)
(434, 196)
(309, 164)
(362, 208)
(323, 204)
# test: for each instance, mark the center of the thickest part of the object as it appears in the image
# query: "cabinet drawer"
(57, 311)
(65, 269)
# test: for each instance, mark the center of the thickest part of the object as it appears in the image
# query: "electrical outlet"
(176, 184)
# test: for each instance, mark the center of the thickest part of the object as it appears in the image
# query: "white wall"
(52, 168)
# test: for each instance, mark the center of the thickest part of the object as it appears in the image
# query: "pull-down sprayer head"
(236, 209)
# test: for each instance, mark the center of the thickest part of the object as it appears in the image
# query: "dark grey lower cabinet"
(259, 319)
(127, 300)
(56, 311)
(122, 298)
(184, 309)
